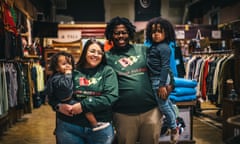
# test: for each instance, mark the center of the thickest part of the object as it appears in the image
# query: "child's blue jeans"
(165, 106)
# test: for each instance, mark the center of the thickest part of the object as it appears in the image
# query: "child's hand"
(68, 71)
(162, 92)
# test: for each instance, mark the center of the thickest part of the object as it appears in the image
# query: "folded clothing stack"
(185, 90)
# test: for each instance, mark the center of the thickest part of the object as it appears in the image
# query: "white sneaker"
(101, 125)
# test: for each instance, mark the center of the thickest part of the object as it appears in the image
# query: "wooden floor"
(37, 128)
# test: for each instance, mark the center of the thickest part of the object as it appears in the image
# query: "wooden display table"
(231, 111)
(234, 120)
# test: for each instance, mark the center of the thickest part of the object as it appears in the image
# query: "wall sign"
(216, 34)
(147, 9)
(69, 35)
(145, 3)
(180, 34)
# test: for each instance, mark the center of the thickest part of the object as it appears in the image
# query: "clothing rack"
(212, 52)
(24, 59)
(4, 60)
(14, 114)
(198, 109)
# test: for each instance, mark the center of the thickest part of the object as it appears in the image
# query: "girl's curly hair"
(165, 25)
(118, 21)
(54, 60)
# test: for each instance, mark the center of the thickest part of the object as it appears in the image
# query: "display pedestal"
(231, 107)
(186, 113)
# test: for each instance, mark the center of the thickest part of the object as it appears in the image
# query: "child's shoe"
(174, 135)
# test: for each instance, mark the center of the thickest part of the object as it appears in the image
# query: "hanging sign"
(180, 34)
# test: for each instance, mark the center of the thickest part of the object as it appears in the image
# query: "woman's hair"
(118, 21)
(165, 25)
(82, 60)
(54, 60)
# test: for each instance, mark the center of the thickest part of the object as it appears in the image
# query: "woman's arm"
(65, 109)
(108, 96)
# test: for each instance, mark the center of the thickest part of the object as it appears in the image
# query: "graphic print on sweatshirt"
(128, 61)
(126, 64)
(87, 82)
(83, 83)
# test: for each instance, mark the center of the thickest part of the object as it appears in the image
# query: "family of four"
(116, 96)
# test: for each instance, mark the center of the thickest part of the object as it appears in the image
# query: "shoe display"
(174, 135)
(101, 125)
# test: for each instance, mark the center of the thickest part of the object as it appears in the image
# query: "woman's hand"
(66, 109)
(76, 108)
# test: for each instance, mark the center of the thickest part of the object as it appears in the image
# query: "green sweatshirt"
(97, 90)
(135, 92)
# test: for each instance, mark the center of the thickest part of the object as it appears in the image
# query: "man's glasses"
(120, 32)
(93, 51)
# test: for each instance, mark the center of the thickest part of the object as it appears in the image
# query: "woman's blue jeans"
(73, 134)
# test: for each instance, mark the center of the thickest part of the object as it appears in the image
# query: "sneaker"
(101, 125)
(174, 135)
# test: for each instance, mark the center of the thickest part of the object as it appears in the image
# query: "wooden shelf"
(32, 57)
(25, 34)
(187, 103)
